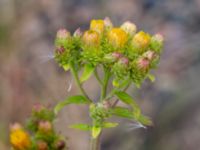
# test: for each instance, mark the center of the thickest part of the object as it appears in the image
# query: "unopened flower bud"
(37, 107)
(42, 145)
(158, 37)
(60, 145)
(143, 63)
(141, 40)
(97, 25)
(116, 55)
(91, 38)
(150, 55)
(78, 33)
(124, 61)
(108, 24)
(63, 34)
(129, 27)
(157, 42)
(112, 57)
(45, 126)
(117, 37)
(60, 50)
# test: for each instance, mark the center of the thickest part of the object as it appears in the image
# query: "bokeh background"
(28, 73)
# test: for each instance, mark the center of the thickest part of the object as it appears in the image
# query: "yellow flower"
(91, 38)
(117, 37)
(19, 139)
(141, 39)
(97, 25)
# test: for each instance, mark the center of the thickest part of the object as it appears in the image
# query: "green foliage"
(87, 72)
(77, 99)
(83, 127)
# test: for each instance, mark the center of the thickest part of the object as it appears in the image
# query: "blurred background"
(29, 75)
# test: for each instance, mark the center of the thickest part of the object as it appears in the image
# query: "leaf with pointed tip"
(96, 131)
(109, 124)
(145, 120)
(151, 77)
(127, 99)
(122, 112)
(87, 72)
(77, 99)
(83, 127)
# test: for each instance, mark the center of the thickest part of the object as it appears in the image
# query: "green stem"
(105, 84)
(95, 143)
(97, 77)
(75, 75)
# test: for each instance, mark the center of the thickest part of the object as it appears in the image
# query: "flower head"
(108, 24)
(129, 27)
(63, 34)
(78, 33)
(141, 40)
(97, 25)
(19, 138)
(117, 37)
(91, 38)
(45, 126)
(143, 63)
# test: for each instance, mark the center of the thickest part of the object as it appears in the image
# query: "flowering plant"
(118, 55)
(124, 55)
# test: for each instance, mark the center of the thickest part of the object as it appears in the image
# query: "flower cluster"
(39, 133)
(128, 54)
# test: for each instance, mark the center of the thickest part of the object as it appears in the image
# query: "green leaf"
(122, 112)
(109, 125)
(96, 131)
(124, 97)
(87, 72)
(145, 120)
(83, 127)
(66, 67)
(151, 77)
(77, 99)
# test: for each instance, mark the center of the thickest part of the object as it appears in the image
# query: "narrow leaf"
(87, 72)
(145, 120)
(109, 124)
(122, 112)
(124, 97)
(96, 131)
(83, 127)
(77, 99)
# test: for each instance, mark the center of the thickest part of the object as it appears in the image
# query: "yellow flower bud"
(97, 25)
(117, 37)
(129, 27)
(91, 38)
(19, 139)
(141, 40)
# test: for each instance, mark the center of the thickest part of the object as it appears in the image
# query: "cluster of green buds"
(39, 133)
(128, 54)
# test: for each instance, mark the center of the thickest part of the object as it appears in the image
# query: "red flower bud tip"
(15, 126)
(78, 33)
(149, 55)
(143, 63)
(116, 55)
(124, 60)
(60, 50)
(62, 34)
(38, 107)
(45, 126)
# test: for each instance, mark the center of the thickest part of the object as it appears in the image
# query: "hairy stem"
(75, 75)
